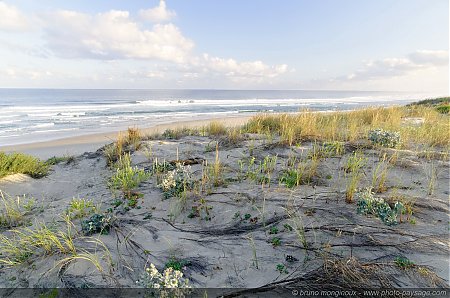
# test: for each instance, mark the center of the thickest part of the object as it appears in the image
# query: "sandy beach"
(235, 208)
(91, 142)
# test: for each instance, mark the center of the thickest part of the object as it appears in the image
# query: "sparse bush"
(384, 138)
(370, 205)
(161, 167)
(175, 134)
(19, 163)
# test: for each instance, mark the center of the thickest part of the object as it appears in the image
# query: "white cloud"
(24, 73)
(157, 14)
(234, 69)
(395, 67)
(434, 58)
(113, 35)
(11, 18)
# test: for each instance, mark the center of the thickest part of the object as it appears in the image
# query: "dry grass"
(13, 210)
(354, 125)
(26, 244)
(216, 128)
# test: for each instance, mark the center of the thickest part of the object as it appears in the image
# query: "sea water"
(33, 115)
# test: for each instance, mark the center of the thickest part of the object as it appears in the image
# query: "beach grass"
(13, 210)
(24, 244)
(20, 163)
(354, 125)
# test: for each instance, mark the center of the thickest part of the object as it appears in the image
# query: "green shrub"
(384, 138)
(403, 262)
(19, 163)
(444, 109)
(370, 205)
(97, 223)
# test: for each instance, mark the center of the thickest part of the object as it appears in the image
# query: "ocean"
(33, 115)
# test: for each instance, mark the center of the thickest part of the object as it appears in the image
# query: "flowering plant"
(177, 181)
(169, 279)
(384, 138)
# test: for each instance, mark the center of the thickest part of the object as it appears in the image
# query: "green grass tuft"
(19, 163)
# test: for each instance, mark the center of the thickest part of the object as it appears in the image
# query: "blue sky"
(399, 45)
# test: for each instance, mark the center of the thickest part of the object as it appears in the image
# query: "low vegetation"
(28, 244)
(20, 163)
(354, 125)
(13, 210)
(303, 189)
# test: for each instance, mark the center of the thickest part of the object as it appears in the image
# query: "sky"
(382, 45)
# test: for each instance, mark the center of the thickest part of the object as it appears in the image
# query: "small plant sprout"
(404, 263)
(13, 210)
(275, 241)
(97, 223)
(273, 230)
(379, 175)
(79, 208)
(353, 170)
(252, 244)
(216, 170)
(282, 269)
(127, 177)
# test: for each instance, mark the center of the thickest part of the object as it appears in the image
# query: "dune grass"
(127, 177)
(125, 143)
(20, 163)
(27, 244)
(13, 210)
(355, 125)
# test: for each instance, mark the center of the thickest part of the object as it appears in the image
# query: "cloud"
(11, 18)
(434, 58)
(24, 73)
(113, 35)
(157, 14)
(232, 68)
(117, 38)
(395, 67)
